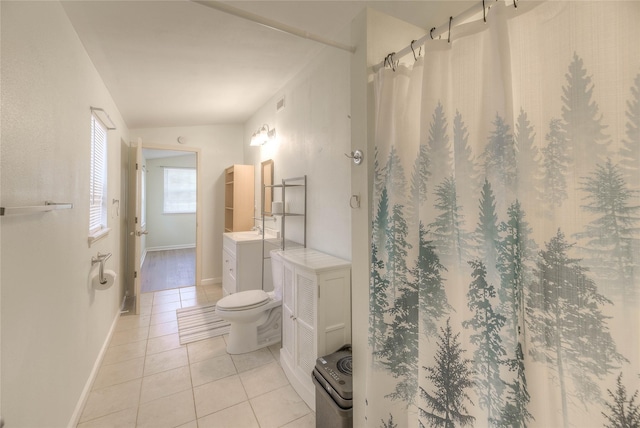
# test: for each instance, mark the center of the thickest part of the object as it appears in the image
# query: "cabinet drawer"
(229, 245)
(228, 273)
(229, 288)
(230, 266)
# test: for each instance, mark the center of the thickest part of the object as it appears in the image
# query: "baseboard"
(77, 412)
(211, 281)
(171, 247)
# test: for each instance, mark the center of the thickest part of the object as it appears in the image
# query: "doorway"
(169, 204)
(166, 226)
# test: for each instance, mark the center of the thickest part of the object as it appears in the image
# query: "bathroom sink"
(250, 235)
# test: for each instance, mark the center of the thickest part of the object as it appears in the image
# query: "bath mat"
(200, 322)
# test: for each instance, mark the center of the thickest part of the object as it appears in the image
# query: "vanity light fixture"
(262, 136)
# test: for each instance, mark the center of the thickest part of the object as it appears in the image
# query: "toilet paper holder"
(101, 258)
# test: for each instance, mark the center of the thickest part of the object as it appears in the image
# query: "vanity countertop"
(313, 259)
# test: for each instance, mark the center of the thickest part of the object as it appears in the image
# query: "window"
(98, 180)
(179, 190)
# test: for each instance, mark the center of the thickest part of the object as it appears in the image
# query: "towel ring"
(357, 156)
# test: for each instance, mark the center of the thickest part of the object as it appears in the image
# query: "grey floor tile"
(171, 411)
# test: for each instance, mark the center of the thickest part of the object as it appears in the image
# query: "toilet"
(255, 315)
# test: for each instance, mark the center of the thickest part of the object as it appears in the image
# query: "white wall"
(54, 324)
(313, 133)
(167, 231)
(221, 146)
(375, 35)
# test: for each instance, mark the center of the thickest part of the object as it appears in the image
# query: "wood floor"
(164, 270)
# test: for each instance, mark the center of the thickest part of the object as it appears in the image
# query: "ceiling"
(179, 63)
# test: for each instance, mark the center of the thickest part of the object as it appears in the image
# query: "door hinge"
(136, 220)
(136, 166)
(135, 274)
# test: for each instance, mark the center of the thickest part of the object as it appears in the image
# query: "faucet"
(258, 228)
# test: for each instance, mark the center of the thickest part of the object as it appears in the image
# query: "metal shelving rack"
(296, 182)
(299, 182)
(287, 183)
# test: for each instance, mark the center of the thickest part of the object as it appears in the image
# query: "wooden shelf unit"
(239, 183)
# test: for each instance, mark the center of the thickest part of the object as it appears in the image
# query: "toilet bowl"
(255, 316)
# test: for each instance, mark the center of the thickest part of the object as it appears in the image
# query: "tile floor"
(147, 379)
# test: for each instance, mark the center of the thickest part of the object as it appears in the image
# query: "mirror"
(266, 176)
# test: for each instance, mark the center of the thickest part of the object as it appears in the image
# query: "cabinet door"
(334, 310)
(305, 325)
(288, 302)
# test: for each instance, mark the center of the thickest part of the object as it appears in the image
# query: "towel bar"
(48, 206)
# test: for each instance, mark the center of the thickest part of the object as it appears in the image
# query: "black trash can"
(332, 377)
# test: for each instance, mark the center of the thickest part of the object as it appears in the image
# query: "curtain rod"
(443, 29)
(275, 25)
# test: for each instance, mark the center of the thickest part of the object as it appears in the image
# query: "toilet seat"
(243, 300)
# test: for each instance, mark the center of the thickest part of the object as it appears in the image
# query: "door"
(136, 232)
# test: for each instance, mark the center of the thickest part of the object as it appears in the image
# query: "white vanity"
(316, 313)
(242, 262)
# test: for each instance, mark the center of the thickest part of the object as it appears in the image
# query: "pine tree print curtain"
(505, 280)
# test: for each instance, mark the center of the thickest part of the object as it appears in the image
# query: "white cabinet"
(242, 263)
(316, 311)
(229, 269)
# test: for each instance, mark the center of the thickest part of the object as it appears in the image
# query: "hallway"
(168, 269)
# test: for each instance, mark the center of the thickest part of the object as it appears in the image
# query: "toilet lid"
(243, 300)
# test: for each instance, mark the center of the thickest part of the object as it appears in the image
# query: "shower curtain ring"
(388, 60)
(431, 32)
(484, 12)
(449, 37)
(412, 50)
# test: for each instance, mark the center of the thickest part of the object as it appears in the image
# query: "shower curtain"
(504, 280)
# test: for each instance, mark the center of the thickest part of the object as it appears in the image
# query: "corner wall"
(54, 325)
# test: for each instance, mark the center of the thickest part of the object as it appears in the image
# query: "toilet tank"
(277, 272)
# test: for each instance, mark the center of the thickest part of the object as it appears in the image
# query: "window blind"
(97, 179)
